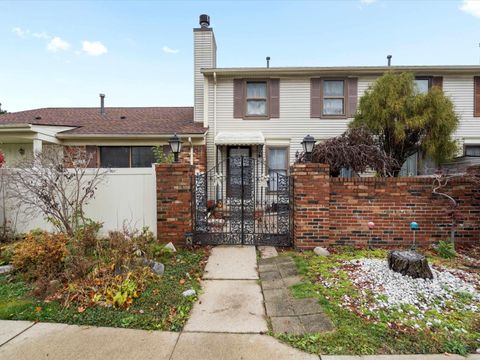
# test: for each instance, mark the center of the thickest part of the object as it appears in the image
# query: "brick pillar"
(174, 202)
(311, 197)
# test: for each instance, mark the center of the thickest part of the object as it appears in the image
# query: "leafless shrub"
(355, 149)
(441, 180)
(56, 184)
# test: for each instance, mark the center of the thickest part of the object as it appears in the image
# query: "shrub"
(446, 249)
(6, 253)
(41, 255)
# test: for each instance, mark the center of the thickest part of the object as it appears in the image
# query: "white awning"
(239, 138)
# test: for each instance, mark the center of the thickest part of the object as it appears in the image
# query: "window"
(333, 97)
(423, 85)
(409, 167)
(472, 150)
(277, 161)
(126, 156)
(256, 98)
(114, 156)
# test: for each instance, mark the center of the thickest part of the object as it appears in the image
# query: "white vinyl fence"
(126, 197)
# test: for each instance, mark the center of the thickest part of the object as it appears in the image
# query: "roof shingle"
(115, 121)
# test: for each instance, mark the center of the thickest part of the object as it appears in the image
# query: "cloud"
(367, 2)
(57, 44)
(471, 7)
(41, 35)
(168, 50)
(20, 32)
(94, 48)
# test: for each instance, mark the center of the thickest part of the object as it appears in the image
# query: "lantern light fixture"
(176, 146)
(308, 143)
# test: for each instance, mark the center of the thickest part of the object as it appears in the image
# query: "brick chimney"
(204, 56)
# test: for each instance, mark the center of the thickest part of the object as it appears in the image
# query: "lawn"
(161, 306)
(371, 317)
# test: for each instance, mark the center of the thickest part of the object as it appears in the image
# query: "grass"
(356, 335)
(160, 307)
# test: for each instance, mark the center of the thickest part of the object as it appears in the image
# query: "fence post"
(311, 197)
(174, 202)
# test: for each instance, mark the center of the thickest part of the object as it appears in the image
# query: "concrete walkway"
(226, 323)
(226, 305)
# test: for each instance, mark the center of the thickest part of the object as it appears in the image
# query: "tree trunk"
(409, 263)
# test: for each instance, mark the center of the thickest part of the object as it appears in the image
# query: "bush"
(446, 249)
(41, 255)
(6, 253)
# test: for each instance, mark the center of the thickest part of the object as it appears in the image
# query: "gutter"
(346, 70)
(127, 136)
(15, 126)
(214, 114)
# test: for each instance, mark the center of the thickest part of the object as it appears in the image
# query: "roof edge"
(365, 70)
(127, 136)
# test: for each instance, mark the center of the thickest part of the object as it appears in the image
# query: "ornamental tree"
(404, 121)
(356, 150)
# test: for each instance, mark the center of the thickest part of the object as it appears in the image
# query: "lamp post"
(175, 145)
(308, 143)
(414, 227)
(371, 225)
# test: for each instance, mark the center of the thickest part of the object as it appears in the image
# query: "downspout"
(191, 149)
(214, 116)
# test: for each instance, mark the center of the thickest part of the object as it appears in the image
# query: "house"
(265, 112)
(262, 112)
(113, 137)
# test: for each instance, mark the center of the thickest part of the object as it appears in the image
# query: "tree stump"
(409, 263)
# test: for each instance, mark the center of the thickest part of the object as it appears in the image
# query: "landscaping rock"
(6, 269)
(157, 268)
(321, 251)
(171, 247)
(189, 292)
(53, 287)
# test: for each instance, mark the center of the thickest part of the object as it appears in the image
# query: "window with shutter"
(476, 96)
(256, 99)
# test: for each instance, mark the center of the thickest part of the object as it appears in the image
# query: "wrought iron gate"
(241, 201)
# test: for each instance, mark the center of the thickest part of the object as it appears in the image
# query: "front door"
(239, 176)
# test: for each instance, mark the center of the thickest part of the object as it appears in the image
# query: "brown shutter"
(352, 95)
(437, 81)
(274, 100)
(315, 97)
(476, 96)
(238, 98)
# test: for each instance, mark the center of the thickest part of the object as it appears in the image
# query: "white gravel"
(383, 289)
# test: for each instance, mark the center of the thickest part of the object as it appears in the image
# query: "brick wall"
(87, 151)
(174, 201)
(199, 156)
(335, 211)
(311, 198)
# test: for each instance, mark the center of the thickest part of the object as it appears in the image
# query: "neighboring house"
(266, 112)
(113, 137)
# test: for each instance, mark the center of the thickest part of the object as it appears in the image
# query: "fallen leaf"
(38, 309)
(182, 281)
(80, 309)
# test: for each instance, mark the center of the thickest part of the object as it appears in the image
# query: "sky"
(140, 53)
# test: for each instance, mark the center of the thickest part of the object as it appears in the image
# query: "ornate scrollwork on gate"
(241, 201)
